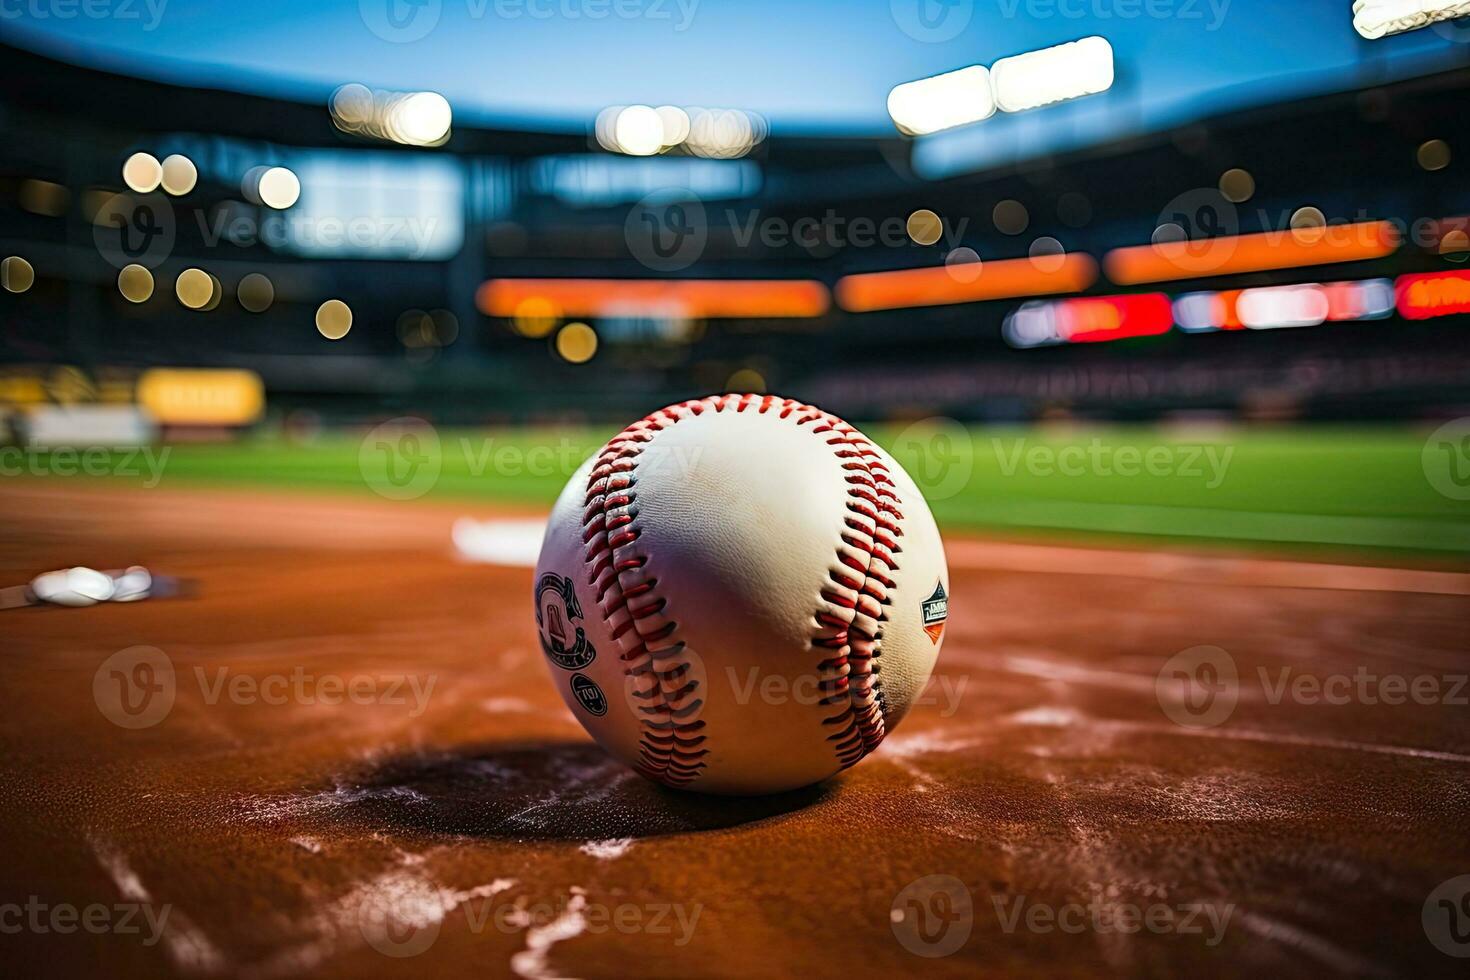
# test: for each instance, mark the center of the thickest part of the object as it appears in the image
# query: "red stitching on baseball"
(849, 627)
(871, 496)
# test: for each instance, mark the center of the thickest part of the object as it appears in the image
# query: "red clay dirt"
(450, 815)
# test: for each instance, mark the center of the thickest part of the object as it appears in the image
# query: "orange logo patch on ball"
(936, 612)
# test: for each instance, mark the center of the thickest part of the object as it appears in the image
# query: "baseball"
(740, 594)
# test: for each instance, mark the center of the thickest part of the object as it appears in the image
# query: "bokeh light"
(16, 274)
(445, 326)
(675, 123)
(409, 118)
(724, 134)
(1237, 185)
(333, 319)
(1048, 255)
(1308, 225)
(216, 293)
(1010, 217)
(179, 174)
(924, 227)
(421, 119)
(135, 282)
(535, 316)
(639, 131)
(194, 287)
(1434, 155)
(415, 328)
(746, 381)
(352, 106)
(576, 343)
(255, 292)
(963, 264)
(1169, 233)
(142, 172)
(278, 188)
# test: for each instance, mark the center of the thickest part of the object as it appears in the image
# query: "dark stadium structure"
(552, 205)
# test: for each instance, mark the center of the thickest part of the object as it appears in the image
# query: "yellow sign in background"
(176, 396)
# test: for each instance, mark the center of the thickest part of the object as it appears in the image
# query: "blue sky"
(818, 64)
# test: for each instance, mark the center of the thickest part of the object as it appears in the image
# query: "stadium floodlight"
(643, 131)
(639, 131)
(942, 101)
(1040, 78)
(1379, 18)
(409, 118)
(420, 119)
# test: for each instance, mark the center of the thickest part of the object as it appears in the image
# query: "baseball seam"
(848, 623)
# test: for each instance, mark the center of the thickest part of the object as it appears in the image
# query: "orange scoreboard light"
(1261, 252)
(698, 298)
(970, 282)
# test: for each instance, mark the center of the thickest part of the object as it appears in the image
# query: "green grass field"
(1294, 488)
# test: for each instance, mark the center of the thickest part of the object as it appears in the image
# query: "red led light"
(1432, 294)
(1096, 318)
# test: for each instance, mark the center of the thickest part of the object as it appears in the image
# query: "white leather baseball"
(740, 594)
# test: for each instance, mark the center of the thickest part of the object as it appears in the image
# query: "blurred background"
(1213, 251)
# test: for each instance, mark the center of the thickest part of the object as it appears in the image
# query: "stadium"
(309, 315)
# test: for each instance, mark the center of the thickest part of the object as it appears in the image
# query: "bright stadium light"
(142, 172)
(333, 319)
(178, 174)
(675, 124)
(643, 131)
(638, 131)
(724, 134)
(942, 101)
(1379, 18)
(409, 118)
(420, 119)
(1039, 78)
(275, 187)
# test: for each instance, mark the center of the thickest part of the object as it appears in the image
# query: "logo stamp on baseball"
(557, 616)
(589, 695)
(795, 549)
(936, 613)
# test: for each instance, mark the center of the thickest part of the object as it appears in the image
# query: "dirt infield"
(363, 770)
